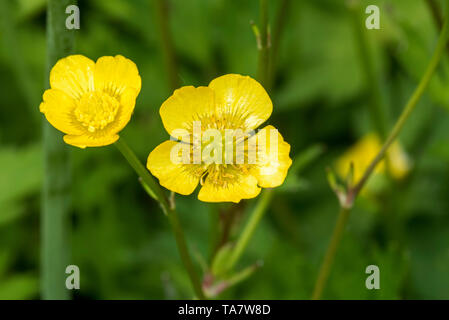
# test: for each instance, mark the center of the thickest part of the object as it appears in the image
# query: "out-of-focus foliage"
(120, 239)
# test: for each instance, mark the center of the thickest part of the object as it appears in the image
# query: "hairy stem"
(263, 203)
(162, 17)
(278, 30)
(56, 200)
(155, 190)
(254, 219)
(354, 191)
(410, 106)
(330, 253)
(372, 77)
(264, 45)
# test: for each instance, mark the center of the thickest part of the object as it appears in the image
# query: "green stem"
(435, 11)
(144, 174)
(278, 29)
(264, 48)
(256, 215)
(184, 253)
(263, 45)
(56, 200)
(330, 253)
(300, 162)
(372, 77)
(411, 104)
(354, 191)
(156, 191)
(262, 76)
(214, 230)
(162, 17)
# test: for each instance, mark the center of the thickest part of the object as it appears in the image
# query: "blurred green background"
(321, 93)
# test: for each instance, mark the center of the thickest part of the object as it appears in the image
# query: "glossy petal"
(74, 75)
(58, 109)
(186, 105)
(114, 74)
(273, 160)
(90, 140)
(241, 186)
(177, 177)
(127, 104)
(242, 100)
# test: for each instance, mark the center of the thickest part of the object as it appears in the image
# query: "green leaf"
(21, 172)
(219, 265)
(19, 287)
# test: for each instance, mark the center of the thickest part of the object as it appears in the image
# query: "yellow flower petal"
(177, 177)
(114, 74)
(74, 75)
(273, 160)
(242, 186)
(229, 102)
(91, 102)
(58, 109)
(242, 100)
(118, 77)
(361, 154)
(186, 105)
(88, 140)
(127, 104)
(398, 160)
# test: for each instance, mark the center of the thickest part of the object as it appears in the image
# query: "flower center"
(222, 147)
(95, 110)
(223, 175)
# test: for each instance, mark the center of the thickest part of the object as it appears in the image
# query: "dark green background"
(120, 239)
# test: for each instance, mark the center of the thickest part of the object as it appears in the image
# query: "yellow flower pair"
(91, 102)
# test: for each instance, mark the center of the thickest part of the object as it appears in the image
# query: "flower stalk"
(162, 17)
(373, 81)
(347, 199)
(263, 69)
(254, 219)
(264, 44)
(265, 73)
(278, 29)
(155, 191)
(330, 253)
(263, 203)
(56, 200)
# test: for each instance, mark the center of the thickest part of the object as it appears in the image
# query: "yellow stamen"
(95, 110)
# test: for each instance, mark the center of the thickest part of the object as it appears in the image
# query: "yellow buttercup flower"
(91, 102)
(364, 151)
(230, 102)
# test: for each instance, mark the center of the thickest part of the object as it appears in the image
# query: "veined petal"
(186, 105)
(173, 175)
(57, 107)
(242, 100)
(127, 104)
(74, 75)
(273, 160)
(90, 140)
(241, 186)
(114, 74)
